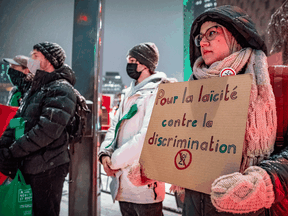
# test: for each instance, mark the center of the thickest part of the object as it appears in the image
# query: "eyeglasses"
(210, 35)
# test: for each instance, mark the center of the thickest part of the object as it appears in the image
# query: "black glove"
(5, 154)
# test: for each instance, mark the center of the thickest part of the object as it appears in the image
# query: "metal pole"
(97, 106)
(84, 193)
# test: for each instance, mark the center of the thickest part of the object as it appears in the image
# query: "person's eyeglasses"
(210, 35)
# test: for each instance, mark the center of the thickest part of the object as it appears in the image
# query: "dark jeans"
(47, 190)
(134, 209)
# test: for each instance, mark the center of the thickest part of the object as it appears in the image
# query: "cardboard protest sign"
(6, 114)
(196, 131)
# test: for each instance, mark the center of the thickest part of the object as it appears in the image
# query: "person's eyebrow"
(207, 29)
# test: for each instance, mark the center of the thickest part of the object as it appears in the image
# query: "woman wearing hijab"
(226, 37)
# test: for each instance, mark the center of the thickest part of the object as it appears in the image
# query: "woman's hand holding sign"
(243, 193)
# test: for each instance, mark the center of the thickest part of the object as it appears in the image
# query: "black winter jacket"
(46, 108)
(277, 168)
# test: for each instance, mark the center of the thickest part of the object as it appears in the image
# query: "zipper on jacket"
(24, 107)
(202, 204)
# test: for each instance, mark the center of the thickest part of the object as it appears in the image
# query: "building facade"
(112, 83)
(5, 85)
(192, 9)
(260, 12)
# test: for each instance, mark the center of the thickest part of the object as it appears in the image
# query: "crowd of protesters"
(220, 38)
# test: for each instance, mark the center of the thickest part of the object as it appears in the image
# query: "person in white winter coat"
(124, 140)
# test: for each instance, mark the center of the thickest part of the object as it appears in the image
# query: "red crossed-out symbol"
(183, 159)
(227, 72)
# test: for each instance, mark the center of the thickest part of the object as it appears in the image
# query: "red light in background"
(83, 18)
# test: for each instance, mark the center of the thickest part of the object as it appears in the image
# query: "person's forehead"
(35, 52)
(131, 58)
(206, 26)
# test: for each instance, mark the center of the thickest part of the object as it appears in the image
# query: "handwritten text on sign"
(204, 120)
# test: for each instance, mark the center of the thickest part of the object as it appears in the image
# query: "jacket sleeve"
(277, 167)
(7, 138)
(57, 107)
(131, 150)
(106, 149)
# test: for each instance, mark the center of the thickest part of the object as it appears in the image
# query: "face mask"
(17, 79)
(14, 76)
(33, 65)
(132, 71)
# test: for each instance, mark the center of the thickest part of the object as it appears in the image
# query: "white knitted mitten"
(243, 193)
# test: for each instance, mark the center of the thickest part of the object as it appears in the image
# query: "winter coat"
(46, 108)
(126, 148)
(277, 168)
(243, 29)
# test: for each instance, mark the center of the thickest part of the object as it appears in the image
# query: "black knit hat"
(146, 53)
(53, 52)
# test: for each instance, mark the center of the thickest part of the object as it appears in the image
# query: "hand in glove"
(5, 154)
(243, 193)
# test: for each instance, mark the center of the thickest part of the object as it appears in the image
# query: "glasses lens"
(197, 40)
(211, 33)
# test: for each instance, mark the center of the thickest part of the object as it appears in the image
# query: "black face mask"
(132, 71)
(17, 78)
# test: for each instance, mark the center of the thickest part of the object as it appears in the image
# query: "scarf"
(236, 60)
(261, 124)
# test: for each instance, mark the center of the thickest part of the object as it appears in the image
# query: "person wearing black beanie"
(47, 108)
(147, 54)
(117, 159)
(53, 52)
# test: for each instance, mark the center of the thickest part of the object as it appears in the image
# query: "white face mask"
(33, 65)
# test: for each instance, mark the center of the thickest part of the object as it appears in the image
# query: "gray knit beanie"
(53, 52)
(147, 54)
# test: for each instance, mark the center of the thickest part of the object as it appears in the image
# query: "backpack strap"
(80, 99)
